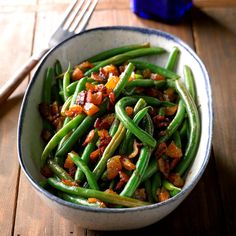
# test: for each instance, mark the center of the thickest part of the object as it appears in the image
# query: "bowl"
(75, 50)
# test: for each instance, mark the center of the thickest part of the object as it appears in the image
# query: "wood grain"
(215, 26)
(12, 55)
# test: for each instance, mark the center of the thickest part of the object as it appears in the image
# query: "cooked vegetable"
(121, 135)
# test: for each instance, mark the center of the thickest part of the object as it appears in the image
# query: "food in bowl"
(119, 132)
(77, 49)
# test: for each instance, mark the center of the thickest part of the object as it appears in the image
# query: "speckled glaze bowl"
(75, 50)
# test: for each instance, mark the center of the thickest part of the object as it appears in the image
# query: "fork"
(74, 21)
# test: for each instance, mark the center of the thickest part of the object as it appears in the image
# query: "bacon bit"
(46, 135)
(113, 167)
(72, 171)
(105, 122)
(68, 163)
(101, 88)
(58, 122)
(103, 134)
(74, 111)
(129, 110)
(169, 94)
(157, 77)
(95, 200)
(110, 191)
(163, 195)
(81, 98)
(173, 151)
(135, 149)
(97, 98)
(174, 163)
(112, 82)
(176, 180)
(164, 167)
(104, 142)
(110, 70)
(121, 68)
(152, 92)
(140, 194)
(161, 149)
(90, 87)
(95, 154)
(54, 109)
(123, 180)
(46, 171)
(90, 109)
(147, 73)
(170, 111)
(44, 110)
(86, 65)
(112, 98)
(98, 77)
(69, 183)
(127, 163)
(89, 137)
(77, 74)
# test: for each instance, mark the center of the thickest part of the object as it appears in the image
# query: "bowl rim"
(177, 197)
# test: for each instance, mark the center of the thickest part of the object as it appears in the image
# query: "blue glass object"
(170, 11)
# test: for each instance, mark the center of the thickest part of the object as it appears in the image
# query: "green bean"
(172, 59)
(155, 69)
(189, 81)
(114, 127)
(175, 123)
(79, 87)
(66, 82)
(170, 187)
(146, 138)
(177, 139)
(138, 173)
(109, 151)
(59, 135)
(148, 189)
(194, 123)
(72, 86)
(146, 83)
(57, 68)
(46, 98)
(59, 171)
(151, 170)
(115, 51)
(79, 175)
(91, 193)
(66, 106)
(124, 79)
(118, 59)
(83, 166)
(79, 200)
(156, 183)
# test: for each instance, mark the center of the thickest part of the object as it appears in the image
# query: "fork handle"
(11, 84)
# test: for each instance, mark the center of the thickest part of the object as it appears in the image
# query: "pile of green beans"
(136, 147)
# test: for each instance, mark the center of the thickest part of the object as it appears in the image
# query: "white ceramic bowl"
(75, 50)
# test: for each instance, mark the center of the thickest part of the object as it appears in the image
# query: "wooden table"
(210, 209)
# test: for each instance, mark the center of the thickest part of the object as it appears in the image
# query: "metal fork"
(74, 21)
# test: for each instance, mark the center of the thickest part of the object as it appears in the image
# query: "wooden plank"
(216, 26)
(13, 28)
(214, 3)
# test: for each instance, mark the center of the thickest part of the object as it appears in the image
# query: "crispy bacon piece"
(135, 152)
(163, 195)
(68, 182)
(90, 86)
(109, 70)
(89, 137)
(98, 77)
(46, 135)
(173, 151)
(140, 194)
(77, 74)
(86, 65)
(129, 110)
(44, 110)
(161, 149)
(46, 171)
(127, 163)
(123, 180)
(68, 163)
(112, 98)
(74, 111)
(169, 94)
(164, 166)
(157, 77)
(147, 73)
(90, 109)
(113, 167)
(170, 111)
(81, 98)
(103, 134)
(95, 98)
(104, 122)
(95, 200)
(176, 180)
(95, 154)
